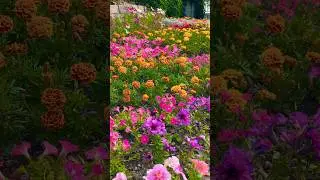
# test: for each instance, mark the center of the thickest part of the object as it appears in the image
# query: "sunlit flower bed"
(159, 123)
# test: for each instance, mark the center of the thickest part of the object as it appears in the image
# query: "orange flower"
(165, 79)
(195, 80)
(196, 68)
(40, 27)
(122, 70)
(53, 99)
(273, 59)
(313, 57)
(25, 9)
(218, 84)
(193, 91)
(276, 24)
(201, 166)
(235, 77)
(16, 49)
(59, 6)
(126, 99)
(231, 12)
(128, 63)
(145, 97)
(103, 10)
(134, 69)
(6, 24)
(136, 84)
(183, 93)
(126, 92)
(176, 89)
(53, 120)
(149, 84)
(181, 60)
(79, 24)
(83, 72)
(235, 101)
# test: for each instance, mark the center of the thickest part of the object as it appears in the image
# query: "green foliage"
(158, 152)
(46, 169)
(117, 165)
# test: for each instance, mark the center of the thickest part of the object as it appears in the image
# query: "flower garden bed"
(160, 99)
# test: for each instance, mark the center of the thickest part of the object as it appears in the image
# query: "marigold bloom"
(145, 97)
(79, 24)
(235, 77)
(53, 120)
(16, 49)
(218, 84)
(313, 57)
(25, 9)
(134, 69)
(235, 101)
(126, 92)
(149, 84)
(128, 63)
(53, 99)
(195, 80)
(40, 27)
(83, 72)
(273, 59)
(231, 12)
(165, 79)
(103, 10)
(6, 24)
(276, 24)
(59, 6)
(136, 84)
(265, 94)
(181, 60)
(176, 89)
(122, 70)
(126, 99)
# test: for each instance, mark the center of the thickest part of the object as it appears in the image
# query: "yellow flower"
(150, 34)
(145, 97)
(134, 68)
(149, 84)
(176, 89)
(183, 93)
(165, 79)
(179, 41)
(122, 70)
(195, 80)
(208, 36)
(187, 34)
(181, 60)
(186, 39)
(183, 47)
(172, 39)
(193, 91)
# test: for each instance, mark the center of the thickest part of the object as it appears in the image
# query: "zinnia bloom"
(158, 172)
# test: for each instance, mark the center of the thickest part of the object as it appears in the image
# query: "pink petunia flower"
(97, 169)
(21, 149)
(201, 166)
(126, 145)
(120, 176)
(74, 170)
(97, 153)
(67, 147)
(158, 172)
(49, 149)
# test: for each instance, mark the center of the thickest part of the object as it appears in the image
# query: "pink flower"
(128, 130)
(49, 149)
(144, 139)
(122, 122)
(158, 172)
(201, 166)
(126, 145)
(114, 136)
(67, 147)
(134, 118)
(120, 176)
(174, 121)
(97, 169)
(97, 153)
(74, 170)
(174, 163)
(21, 149)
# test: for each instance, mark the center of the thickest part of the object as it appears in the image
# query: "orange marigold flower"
(126, 92)
(6, 24)
(53, 120)
(181, 60)
(196, 68)
(218, 84)
(235, 77)
(25, 9)
(241, 38)
(276, 23)
(16, 49)
(136, 84)
(165, 79)
(134, 69)
(59, 6)
(128, 63)
(103, 10)
(111, 68)
(149, 84)
(235, 101)
(265, 94)
(273, 59)
(89, 4)
(40, 27)
(126, 99)
(195, 80)
(53, 99)
(231, 12)
(122, 69)
(79, 24)
(176, 89)
(83, 72)
(313, 57)
(145, 97)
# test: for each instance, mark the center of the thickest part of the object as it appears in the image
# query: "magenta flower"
(97, 169)
(74, 170)
(49, 149)
(155, 126)
(126, 145)
(97, 153)
(114, 136)
(67, 147)
(144, 139)
(184, 117)
(167, 102)
(21, 149)
(158, 172)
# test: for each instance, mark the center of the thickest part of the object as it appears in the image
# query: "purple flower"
(155, 126)
(167, 145)
(97, 153)
(299, 119)
(147, 156)
(184, 117)
(236, 165)
(194, 143)
(263, 145)
(228, 135)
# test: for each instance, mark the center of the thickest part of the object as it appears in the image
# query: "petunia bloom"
(158, 172)
(49, 149)
(67, 147)
(120, 176)
(21, 149)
